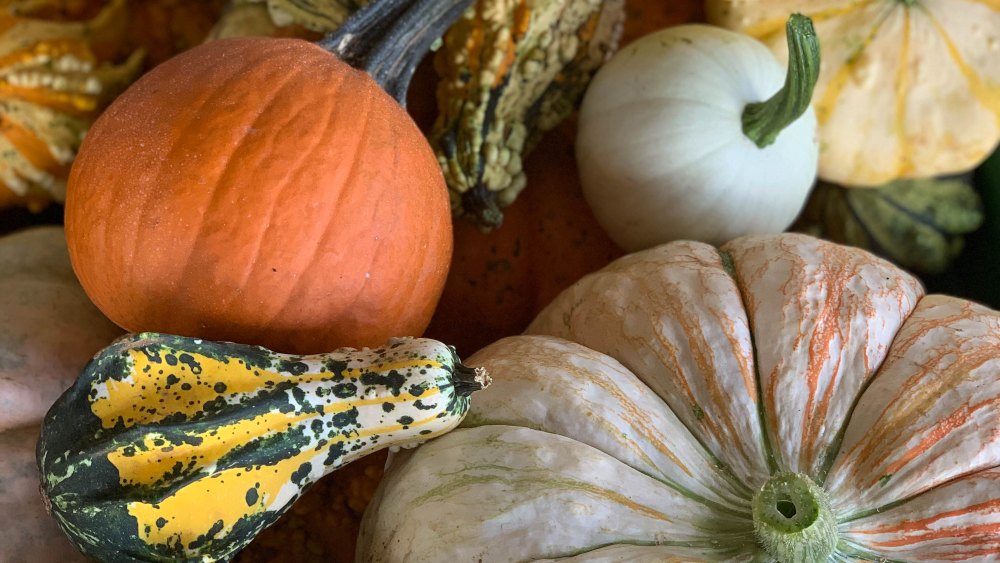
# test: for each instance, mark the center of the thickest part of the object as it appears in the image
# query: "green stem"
(793, 519)
(389, 38)
(763, 121)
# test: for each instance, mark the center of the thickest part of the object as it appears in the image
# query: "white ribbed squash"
(649, 405)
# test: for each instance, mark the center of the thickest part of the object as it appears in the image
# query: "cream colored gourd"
(48, 332)
(685, 401)
(908, 88)
(689, 133)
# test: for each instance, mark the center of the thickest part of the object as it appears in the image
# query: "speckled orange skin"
(261, 191)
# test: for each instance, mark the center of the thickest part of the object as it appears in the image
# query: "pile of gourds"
(278, 236)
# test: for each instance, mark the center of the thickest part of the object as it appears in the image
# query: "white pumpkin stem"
(793, 519)
(763, 121)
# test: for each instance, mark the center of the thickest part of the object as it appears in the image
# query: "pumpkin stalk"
(793, 520)
(388, 38)
(763, 121)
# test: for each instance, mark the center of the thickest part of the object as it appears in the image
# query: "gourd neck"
(793, 520)
(763, 121)
(388, 38)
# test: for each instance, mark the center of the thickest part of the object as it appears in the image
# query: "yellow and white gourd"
(173, 448)
(908, 88)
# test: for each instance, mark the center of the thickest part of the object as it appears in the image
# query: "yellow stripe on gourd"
(905, 166)
(150, 398)
(187, 514)
(147, 467)
(159, 456)
(767, 30)
(988, 95)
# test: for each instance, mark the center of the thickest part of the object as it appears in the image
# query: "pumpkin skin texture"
(645, 407)
(907, 89)
(48, 332)
(259, 190)
(174, 448)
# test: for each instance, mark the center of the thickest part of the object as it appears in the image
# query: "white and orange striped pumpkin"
(781, 398)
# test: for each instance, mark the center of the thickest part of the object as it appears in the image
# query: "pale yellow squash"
(48, 332)
(908, 88)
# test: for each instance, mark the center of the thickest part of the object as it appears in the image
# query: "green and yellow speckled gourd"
(171, 448)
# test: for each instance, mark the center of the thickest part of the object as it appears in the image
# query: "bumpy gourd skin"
(57, 78)
(173, 448)
(510, 71)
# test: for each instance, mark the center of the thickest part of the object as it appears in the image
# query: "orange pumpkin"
(261, 191)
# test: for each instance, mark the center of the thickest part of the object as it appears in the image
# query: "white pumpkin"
(689, 133)
(785, 398)
(48, 331)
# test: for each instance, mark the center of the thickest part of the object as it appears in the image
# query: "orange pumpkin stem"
(388, 38)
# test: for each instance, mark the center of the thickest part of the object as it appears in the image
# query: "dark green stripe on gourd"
(172, 448)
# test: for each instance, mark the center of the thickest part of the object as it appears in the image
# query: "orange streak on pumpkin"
(644, 431)
(924, 525)
(586, 32)
(826, 329)
(900, 418)
(940, 431)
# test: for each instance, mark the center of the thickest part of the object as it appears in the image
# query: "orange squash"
(260, 190)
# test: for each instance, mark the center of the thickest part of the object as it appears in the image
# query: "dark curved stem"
(389, 38)
(469, 380)
(763, 121)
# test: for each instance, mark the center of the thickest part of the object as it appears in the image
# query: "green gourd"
(172, 448)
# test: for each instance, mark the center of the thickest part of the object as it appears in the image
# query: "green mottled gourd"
(171, 448)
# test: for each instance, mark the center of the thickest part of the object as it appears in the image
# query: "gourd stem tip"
(764, 121)
(468, 380)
